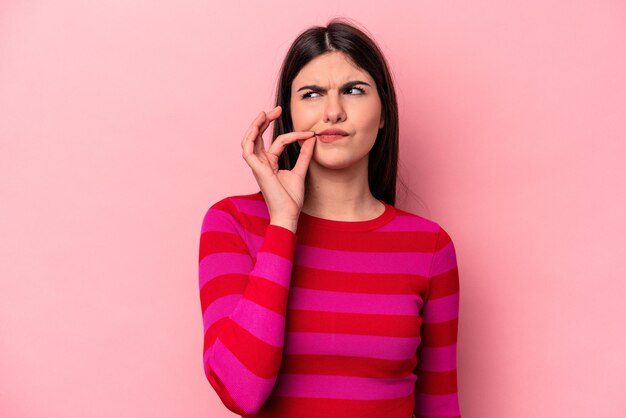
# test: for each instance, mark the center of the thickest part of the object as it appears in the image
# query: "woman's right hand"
(283, 190)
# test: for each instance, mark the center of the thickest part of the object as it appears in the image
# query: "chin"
(337, 161)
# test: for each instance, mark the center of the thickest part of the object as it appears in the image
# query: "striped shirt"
(340, 319)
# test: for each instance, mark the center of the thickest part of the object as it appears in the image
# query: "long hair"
(339, 35)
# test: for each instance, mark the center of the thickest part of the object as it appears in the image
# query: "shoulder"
(417, 222)
(437, 234)
(235, 207)
(237, 203)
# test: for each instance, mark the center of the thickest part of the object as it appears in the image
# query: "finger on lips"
(263, 120)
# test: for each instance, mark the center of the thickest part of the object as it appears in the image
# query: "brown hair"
(340, 35)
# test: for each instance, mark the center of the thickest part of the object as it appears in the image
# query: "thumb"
(306, 152)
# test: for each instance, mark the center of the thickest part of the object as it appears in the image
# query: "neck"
(340, 194)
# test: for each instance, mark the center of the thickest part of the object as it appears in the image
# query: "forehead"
(331, 68)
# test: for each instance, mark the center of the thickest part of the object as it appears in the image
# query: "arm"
(244, 303)
(436, 387)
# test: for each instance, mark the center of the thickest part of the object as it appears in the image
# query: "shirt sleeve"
(436, 393)
(244, 304)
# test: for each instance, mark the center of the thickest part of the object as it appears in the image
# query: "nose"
(333, 109)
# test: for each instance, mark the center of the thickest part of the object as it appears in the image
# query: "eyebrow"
(349, 84)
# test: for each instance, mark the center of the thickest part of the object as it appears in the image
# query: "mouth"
(331, 137)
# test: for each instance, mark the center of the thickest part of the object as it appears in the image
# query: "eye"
(357, 88)
(306, 95)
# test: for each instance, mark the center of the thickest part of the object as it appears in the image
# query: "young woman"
(319, 297)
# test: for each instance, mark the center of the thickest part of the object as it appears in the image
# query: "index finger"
(271, 115)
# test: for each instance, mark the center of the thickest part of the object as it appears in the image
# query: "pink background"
(121, 122)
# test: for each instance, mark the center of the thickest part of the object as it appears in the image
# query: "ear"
(382, 121)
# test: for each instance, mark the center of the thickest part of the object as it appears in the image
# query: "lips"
(331, 138)
(333, 131)
(331, 135)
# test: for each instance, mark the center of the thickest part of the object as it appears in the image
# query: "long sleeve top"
(340, 319)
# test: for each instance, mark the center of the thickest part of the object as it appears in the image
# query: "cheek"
(375, 114)
(296, 114)
(369, 117)
(302, 118)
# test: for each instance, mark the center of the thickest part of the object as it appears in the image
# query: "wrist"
(290, 224)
